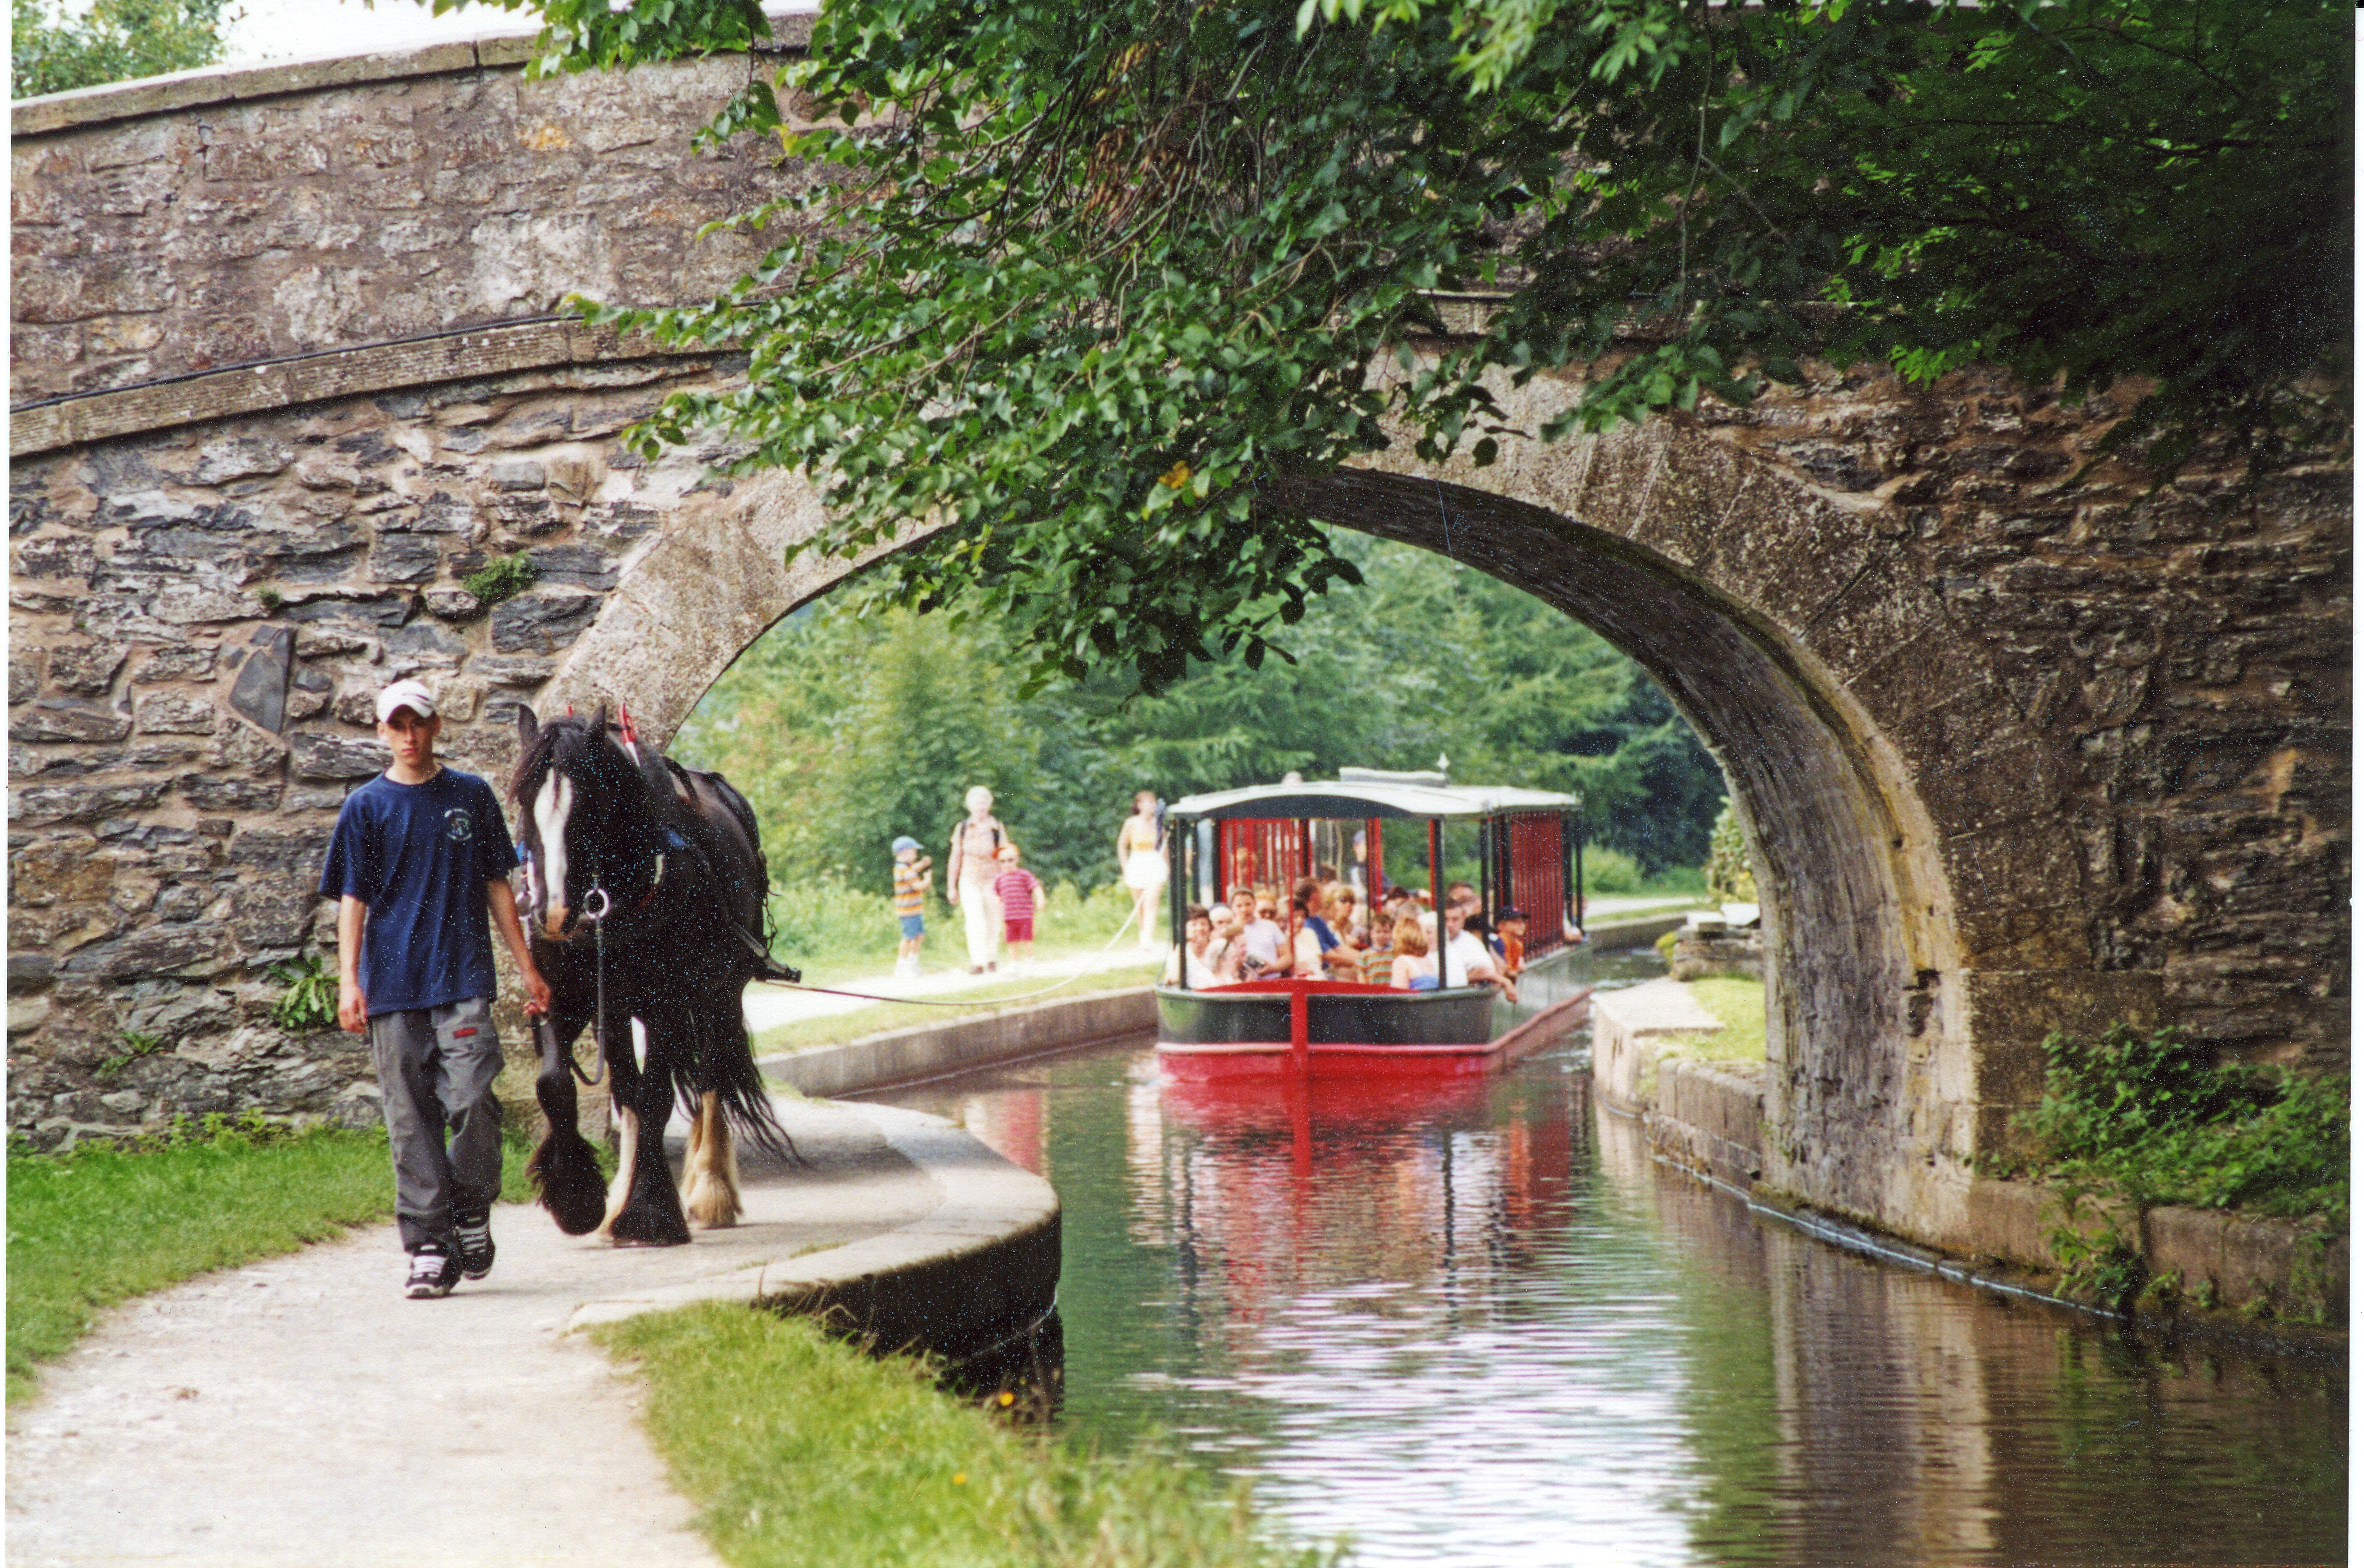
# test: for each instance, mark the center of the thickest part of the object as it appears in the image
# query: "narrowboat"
(1529, 847)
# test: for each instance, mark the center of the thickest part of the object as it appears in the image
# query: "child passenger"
(1414, 970)
(912, 878)
(1020, 895)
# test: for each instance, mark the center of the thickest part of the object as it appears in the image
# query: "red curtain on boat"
(1269, 855)
(1533, 866)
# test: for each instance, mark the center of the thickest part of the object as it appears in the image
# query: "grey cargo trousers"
(435, 1069)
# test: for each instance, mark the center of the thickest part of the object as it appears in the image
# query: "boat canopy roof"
(1367, 792)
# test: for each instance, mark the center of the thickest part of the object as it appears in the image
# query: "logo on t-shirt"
(458, 826)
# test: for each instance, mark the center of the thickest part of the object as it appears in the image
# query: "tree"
(1086, 280)
(50, 49)
(846, 727)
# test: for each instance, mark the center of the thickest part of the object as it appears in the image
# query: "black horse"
(645, 884)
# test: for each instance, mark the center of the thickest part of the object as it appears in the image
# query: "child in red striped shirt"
(1021, 894)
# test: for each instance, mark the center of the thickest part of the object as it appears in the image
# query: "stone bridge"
(2015, 755)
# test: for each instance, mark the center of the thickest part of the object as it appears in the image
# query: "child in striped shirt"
(1019, 893)
(911, 879)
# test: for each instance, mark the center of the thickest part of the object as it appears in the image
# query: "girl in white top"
(1141, 856)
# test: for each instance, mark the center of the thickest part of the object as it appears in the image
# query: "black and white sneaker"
(472, 1228)
(433, 1272)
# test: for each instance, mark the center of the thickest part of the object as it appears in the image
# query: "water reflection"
(1475, 1324)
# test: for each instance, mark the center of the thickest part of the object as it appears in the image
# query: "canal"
(1482, 1327)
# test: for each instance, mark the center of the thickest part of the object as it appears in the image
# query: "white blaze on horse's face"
(552, 803)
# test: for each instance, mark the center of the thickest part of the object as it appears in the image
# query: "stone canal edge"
(1707, 1117)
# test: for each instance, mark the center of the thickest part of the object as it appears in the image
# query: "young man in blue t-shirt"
(419, 858)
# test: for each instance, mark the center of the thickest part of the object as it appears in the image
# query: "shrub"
(1729, 876)
(1610, 870)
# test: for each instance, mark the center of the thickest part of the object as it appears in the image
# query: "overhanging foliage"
(1081, 279)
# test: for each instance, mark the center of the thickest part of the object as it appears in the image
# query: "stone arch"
(1868, 1059)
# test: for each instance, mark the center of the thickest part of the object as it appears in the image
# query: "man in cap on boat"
(420, 858)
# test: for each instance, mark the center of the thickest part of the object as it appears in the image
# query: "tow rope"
(924, 1002)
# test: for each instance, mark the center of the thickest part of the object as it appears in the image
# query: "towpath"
(302, 1411)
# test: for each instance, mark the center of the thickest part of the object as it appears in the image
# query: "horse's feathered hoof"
(628, 1231)
(566, 1172)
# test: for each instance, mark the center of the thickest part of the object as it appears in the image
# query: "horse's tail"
(564, 1169)
(725, 1067)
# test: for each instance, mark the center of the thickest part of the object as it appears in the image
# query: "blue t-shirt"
(419, 856)
(1322, 931)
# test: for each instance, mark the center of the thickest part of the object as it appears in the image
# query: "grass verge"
(1738, 1003)
(800, 1450)
(836, 1028)
(833, 933)
(101, 1225)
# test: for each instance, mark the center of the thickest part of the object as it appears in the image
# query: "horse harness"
(597, 920)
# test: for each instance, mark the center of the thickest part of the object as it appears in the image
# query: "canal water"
(1481, 1327)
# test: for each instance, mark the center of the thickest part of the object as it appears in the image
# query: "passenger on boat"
(1329, 950)
(1413, 969)
(1473, 962)
(1510, 930)
(1257, 935)
(1473, 911)
(1223, 952)
(1346, 917)
(1198, 944)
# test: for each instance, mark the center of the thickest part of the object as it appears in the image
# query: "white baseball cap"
(411, 694)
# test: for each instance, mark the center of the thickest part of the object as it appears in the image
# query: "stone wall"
(200, 620)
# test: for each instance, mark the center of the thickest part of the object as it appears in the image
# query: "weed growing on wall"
(2148, 1119)
(503, 577)
(2133, 1120)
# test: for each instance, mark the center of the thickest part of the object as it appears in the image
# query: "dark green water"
(1483, 1328)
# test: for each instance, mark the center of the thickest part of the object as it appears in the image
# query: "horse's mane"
(568, 735)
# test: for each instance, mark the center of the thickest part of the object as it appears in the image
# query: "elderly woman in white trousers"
(969, 869)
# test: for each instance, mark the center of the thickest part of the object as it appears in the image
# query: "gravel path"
(302, 1411)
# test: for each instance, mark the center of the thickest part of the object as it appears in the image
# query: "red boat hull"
(1330, 1029)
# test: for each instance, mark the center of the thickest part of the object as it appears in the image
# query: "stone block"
(194, 662)
(573, 566)
(68, 718)
(56, 556)
(281, 852)
(321, 754)
(59, 871)
(157, 950)
(84, 667)
(209, 794)
(542, 621)
(374, 611)
(260, 693)
(272, 914)
(404, 558)
(176, 713)
(503, 671)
